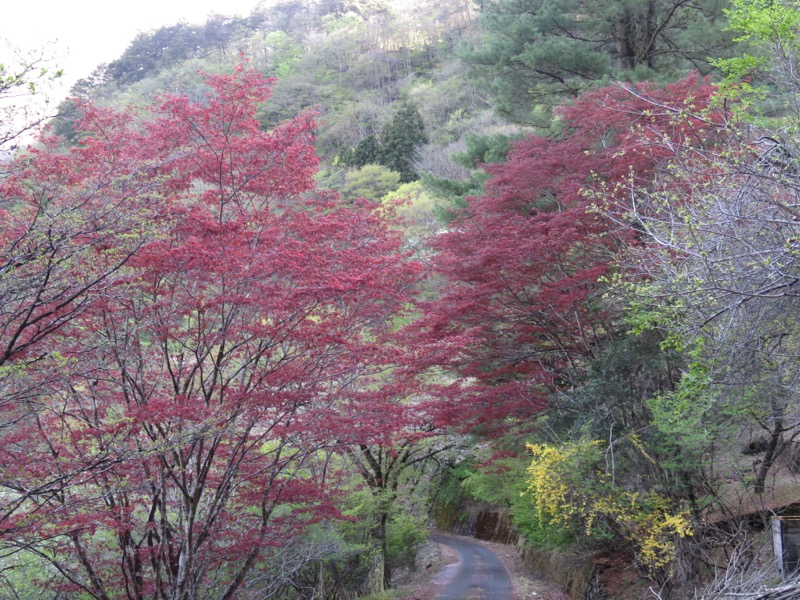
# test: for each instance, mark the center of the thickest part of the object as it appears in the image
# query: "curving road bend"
(478, 574)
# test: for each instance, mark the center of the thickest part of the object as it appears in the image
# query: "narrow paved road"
(478, 575)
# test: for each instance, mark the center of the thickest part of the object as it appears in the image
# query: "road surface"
(478, 574)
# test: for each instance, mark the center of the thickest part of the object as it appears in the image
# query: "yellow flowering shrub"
(548, 482)
(566, 482)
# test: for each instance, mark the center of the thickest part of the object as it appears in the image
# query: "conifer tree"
(367, 152)
(537, 51)
(399, 141)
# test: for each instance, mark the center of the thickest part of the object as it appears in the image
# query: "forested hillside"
(276, 290)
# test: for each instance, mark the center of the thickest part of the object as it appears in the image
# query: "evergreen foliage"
(400, 139)
(368, 152)
(537, 52)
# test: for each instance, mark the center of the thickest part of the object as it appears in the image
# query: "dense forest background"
(279, 290)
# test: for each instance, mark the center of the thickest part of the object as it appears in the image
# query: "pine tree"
(535, 52)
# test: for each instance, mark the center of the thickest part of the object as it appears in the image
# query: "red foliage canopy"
(520, 307)
(178, 417)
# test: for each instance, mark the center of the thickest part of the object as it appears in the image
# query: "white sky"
(89, 32)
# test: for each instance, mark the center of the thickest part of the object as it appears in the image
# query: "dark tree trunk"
(772, 453)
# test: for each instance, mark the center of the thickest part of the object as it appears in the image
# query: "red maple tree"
(520, 308)
(69, 224)
(184, 404)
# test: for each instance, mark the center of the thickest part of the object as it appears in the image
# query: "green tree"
(282, 53)
(367, 152)
(480, 150)
(419, 211)
(400, 139)
(535, 49)
(765, 65)
(370, 181)
(149, 52)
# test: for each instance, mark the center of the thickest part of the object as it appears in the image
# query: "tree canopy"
(254, 332)
(175, 410)
(537, 52)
